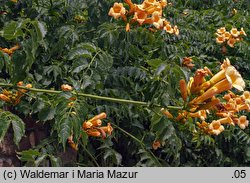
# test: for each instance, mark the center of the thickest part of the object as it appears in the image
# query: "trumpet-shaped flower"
(221, 30)
(225, 64)
(99, 116)
(202, 114)
(246, 97)
(242, 32)
(243, 122)
(187, 62)
(215, 127)
(140, 16)
(235, 32)
(220, 39)
(231, 42)
(227, 35)
(108, 129)
(157, 20)
(86, 125)
(97, 122)
(93, 133)
(242, 107)
(168, 28)
(226, 120)
(117, 11)
(199, 78)
(234, 77)
(176, 30)
(163, 3)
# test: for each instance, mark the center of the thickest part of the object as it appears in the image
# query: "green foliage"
(42, 155)
(75, 42)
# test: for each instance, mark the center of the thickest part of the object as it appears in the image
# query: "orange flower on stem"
(66, 87)
(99, 116)
(243, 122)
(108, 129)
(141, 17)
(234, 32)
(220, 39)
(187, 62)
(117, 11)
(216, 128)
(167, 113)
(221, 30)
(231, 42)
(156, 144)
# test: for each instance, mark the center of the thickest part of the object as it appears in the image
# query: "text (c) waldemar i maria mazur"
(109, 174)
(79, 174)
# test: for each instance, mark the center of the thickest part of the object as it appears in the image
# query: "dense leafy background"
(76, 42)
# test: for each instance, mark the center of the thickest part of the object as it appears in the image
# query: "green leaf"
(38, 106)
(19, 129)
(18, 125)
(28, 155)
(14, 29)
(79, 52)
(39, 160)
(155, 63)
(4, 126)
(40, 30)
(46, 114)
(89, 46)
(64, 130)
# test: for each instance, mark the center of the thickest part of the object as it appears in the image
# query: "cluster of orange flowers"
(14, 97)
(149, 12)
(11, 50)
(229, 38)
(200, 99)
(93, 127)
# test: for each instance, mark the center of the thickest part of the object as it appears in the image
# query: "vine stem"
(91, 156)
(110, 99)
(139, 141)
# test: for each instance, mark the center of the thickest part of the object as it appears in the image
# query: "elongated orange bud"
(72, 144)
(128, 27)
(14, 48)
(4, 98)
(183, 88)
(167, 113)
(99, 116)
